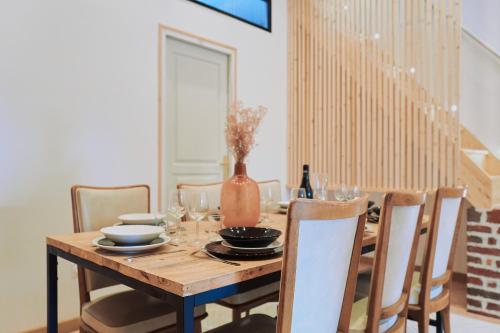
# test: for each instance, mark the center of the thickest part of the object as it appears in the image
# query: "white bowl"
(141, 218)
(132, 234)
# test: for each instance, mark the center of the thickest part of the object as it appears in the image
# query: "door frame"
(165, 31)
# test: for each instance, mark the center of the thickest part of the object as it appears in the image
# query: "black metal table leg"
(439, 323)
(185, 315)
(51, 292)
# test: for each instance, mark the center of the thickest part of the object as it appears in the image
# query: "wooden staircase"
(480, 170)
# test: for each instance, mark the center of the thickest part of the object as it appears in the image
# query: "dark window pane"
(256, 12)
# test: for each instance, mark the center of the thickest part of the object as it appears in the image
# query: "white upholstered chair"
(385, 309)
(320, 263)
(126, 311)
(243, 302)
(431, 287)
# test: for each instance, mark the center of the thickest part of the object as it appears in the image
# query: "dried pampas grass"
(241, 126)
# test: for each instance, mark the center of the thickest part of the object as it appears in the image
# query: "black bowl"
(249, 236)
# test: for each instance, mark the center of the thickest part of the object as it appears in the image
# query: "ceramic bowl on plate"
(161, 240)
(132, 234)
(249, 236)
(141, 218)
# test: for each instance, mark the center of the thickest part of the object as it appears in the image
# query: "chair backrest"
(395, 253)
(98, 207)
(212, 190)
(322, 250)
(443, 233)
(274, 186)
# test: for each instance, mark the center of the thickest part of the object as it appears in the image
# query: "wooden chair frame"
(375, 310)
(421, 311)
(82, 285)
(303, 209)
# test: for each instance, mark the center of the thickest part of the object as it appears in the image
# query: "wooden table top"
(180, 273)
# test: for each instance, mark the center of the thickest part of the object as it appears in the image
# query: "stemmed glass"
(320, 185)
(296, 193)
(341, 192)
(266, 201)
(198, 210)
(177, 210)
(344, 192)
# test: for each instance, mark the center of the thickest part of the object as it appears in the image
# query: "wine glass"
(177, 210)
(341, 192)
(197, 209)
(296, 193)
(266, 201)
(320, 185)
(215, 224)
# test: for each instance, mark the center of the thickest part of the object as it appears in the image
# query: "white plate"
(131, 248)
(141, 218)
(132, 234)
(284, 204)
(271, 246)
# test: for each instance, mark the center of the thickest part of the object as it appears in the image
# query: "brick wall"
(483, 262)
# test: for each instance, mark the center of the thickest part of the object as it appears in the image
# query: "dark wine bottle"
(305, 184)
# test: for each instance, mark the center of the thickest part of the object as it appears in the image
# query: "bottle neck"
(240, 169)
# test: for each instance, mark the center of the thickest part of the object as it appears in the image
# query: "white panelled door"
(197, 98)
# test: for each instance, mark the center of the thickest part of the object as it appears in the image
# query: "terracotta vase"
(240, 199)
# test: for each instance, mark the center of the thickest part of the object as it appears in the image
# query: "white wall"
(78, 104)
(480, 17)
(480, 93)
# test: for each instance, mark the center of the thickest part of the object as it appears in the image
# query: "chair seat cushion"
(130, 312)
(416, 287)
(359, 318)
(252, 294)
(257, 323)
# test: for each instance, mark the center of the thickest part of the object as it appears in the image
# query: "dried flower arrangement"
(241, 126)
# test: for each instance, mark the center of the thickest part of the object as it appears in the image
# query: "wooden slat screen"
(373, 91)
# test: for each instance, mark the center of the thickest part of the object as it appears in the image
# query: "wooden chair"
(211, 189)
(385, 309)
(244, 302)
(431, 288)
(320, 264)
(127, 311)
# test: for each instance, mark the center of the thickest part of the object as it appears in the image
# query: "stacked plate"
(283, 206)
(131, 238)
(247, 243)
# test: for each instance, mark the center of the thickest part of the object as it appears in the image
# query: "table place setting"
(131, 238)
(246, 243)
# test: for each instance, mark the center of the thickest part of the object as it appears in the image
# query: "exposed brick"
(483, 293)
(484, 272)
(494, 216)
(476, 260)
(498, 263)
(479, 228)
(482, 250)
(473, 215)
(474, 302)
(498, 231)
(474, 239)
(492, 241)
(474, 280)
(492, 285)
(493, 307)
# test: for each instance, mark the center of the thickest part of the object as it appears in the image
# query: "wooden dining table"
(175, 274)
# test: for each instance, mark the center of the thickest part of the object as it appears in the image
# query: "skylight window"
(254, 12)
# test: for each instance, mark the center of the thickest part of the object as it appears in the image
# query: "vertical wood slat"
(373, 92)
